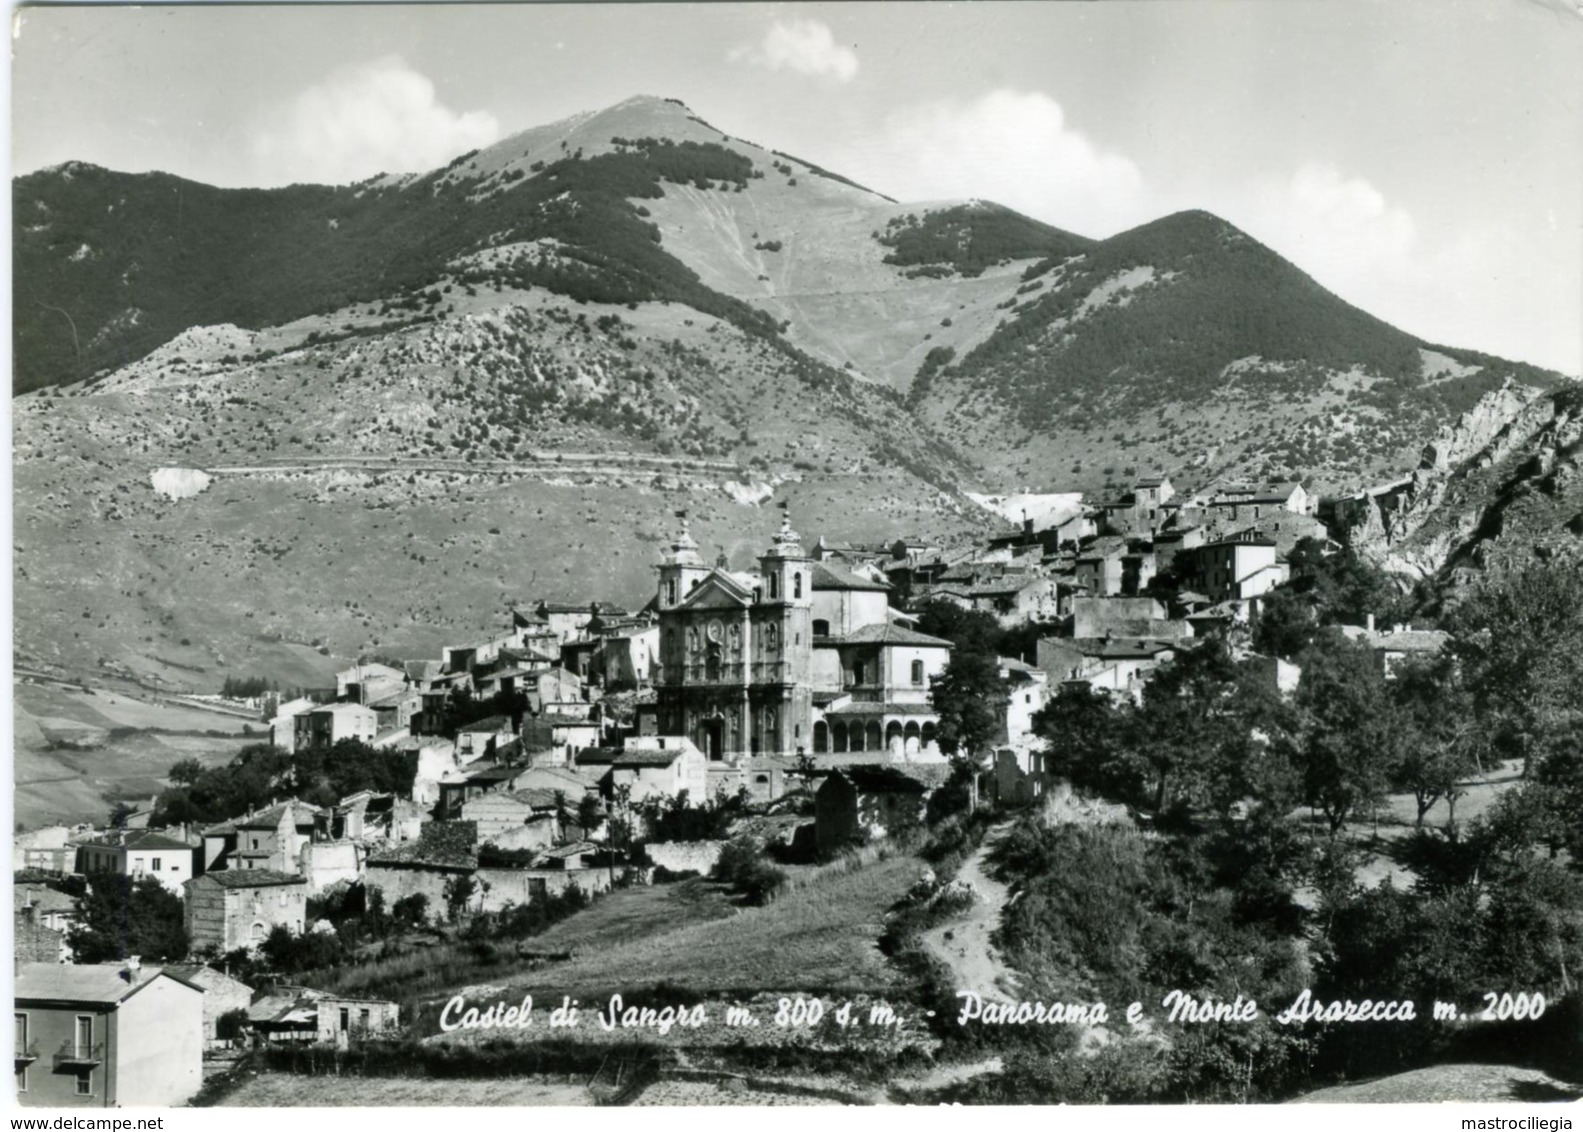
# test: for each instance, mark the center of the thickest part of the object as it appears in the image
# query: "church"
(799, 656)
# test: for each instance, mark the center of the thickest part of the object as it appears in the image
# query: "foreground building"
(106, 1036)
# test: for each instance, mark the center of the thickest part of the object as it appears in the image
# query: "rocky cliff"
(1504, 480)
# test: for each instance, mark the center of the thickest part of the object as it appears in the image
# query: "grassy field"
(819, 938)
(434, 973)
(288, 1090)
(74, 754)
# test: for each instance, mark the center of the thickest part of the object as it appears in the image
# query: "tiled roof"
(248, 878)
(492, 724)
(271, 818)
(827, 577)
(427, 854)
(98, 983)
(144, 840)
(889, 635)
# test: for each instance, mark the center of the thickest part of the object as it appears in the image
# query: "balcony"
(73, 1056)
(26, 1054)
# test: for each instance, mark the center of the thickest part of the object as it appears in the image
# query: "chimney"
(1368, 622)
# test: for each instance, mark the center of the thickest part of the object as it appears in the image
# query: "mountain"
(1185, 345)
(257, 431)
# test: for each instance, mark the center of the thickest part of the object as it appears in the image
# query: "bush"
(743, 866)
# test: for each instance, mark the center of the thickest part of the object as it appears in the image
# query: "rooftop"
(97, 983)
(248, 878)
(828, 577)
(888, 634)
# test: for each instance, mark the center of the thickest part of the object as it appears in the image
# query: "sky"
(1422, 159)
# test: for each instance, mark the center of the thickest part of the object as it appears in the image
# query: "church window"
(821, 628)
(670, 591)
(771, 636)
(796, 585)
(774, 586)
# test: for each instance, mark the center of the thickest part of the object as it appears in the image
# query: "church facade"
(799, 656)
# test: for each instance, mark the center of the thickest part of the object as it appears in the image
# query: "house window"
(917, 672)
(821, 629)
(154, 864)
(82, 1034)
(346, 1019)
(258, 931)
(85, 1083)
(364, 1018)
(21, 1052)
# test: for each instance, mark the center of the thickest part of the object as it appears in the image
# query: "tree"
(120, 917)
(1435, 718)
(411, 911)
(457, 891)
(970, 699)
(1086, 742)
(186, 772)
(806, 770)
(563, 813)
(1345, 735)
(970, 630)
(1286, 623)
(1188, 722)
(1518, 636)
(589, 814)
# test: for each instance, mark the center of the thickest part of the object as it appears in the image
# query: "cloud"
(1335, 225)
(367, 118)
(1012, 147)
(807, 47)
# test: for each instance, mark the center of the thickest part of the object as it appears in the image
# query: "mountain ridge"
(417, 400)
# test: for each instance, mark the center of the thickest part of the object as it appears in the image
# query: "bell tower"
(680, 569)
(782, 660)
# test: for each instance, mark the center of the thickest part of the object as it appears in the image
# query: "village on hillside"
(583, 747)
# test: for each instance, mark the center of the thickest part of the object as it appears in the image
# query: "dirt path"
(964, 945)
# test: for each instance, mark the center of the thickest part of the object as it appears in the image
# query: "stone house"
(106, 1036)
(660, 766)
(519, 818)
(443, 851)
(302, 1014)
(483, 737)
(272, 838)
(233, 908)
(1232, 569)
(866, 802)
(41, 918)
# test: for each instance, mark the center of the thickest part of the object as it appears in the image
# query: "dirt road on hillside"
(964, 945)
